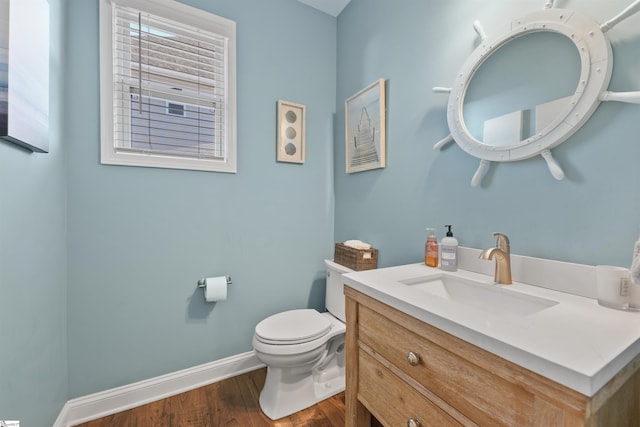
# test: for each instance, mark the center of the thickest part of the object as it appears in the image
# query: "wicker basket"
(356, 259)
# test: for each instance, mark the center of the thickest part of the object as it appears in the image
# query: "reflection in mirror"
(511, 95)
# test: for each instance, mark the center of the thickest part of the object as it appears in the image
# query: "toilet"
(304, 352)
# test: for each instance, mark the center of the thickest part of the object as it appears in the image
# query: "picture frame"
(291, 128)
(365, 128)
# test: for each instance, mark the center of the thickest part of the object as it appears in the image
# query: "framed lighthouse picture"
(365, 129)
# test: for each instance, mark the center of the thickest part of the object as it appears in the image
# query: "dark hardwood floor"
(231, 402)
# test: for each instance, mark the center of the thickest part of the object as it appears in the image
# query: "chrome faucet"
(502, 254)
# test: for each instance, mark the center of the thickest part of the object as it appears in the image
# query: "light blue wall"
(140, 238)
(33, 266)
(135, 240)
(591, 217)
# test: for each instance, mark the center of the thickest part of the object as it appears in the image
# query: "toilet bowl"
(304, 352)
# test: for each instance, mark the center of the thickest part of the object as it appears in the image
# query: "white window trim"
(189, 15)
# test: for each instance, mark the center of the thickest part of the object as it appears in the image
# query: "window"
(167, 86)
(176, 109)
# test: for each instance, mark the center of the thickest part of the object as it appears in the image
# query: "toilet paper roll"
(215, 288)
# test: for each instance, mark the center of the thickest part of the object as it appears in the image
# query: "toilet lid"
(293, 327)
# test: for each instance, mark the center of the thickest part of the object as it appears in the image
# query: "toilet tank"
(334, 296)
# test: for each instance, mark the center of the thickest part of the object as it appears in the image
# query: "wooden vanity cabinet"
(405, 372)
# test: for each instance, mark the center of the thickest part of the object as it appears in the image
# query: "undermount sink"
(481, 295)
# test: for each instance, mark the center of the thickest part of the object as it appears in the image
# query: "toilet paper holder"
(201, 282)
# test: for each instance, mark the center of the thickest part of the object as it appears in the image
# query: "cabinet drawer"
(483, 397)
(392, 400)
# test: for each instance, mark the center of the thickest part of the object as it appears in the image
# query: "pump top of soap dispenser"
(449, 233)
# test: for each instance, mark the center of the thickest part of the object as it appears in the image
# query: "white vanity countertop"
(576, 342)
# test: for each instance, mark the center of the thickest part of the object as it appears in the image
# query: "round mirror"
(496, 135)
(505, 100)
(505, 106)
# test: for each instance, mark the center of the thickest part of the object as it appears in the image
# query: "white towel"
(357, 244)
(635, 264)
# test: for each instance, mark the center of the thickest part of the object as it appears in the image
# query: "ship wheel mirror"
(516, 127)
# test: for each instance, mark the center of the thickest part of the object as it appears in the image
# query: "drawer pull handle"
(413, 422)
(413, 359)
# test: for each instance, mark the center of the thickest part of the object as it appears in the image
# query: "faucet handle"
(502, 242)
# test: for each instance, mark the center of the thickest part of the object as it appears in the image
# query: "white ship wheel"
(596, 61)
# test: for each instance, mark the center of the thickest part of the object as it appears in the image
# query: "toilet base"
(289, 390)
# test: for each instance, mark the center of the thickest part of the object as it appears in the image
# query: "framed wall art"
(290, 139)
(365, 129)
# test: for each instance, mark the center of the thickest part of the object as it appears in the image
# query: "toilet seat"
(292, 327)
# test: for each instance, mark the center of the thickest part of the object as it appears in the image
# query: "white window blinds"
(171, 86)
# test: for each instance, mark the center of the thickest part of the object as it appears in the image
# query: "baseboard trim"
(108, 402)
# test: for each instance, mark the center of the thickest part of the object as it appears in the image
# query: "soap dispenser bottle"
(449, 252)
(431, 248)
